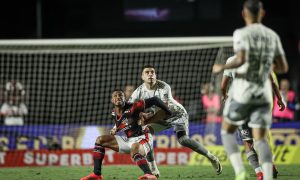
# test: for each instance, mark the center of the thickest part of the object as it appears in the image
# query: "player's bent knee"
(180, 134)
(101, 140)
(184, 140)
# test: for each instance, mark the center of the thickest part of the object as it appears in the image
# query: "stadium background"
(115, 19)
(102, 19)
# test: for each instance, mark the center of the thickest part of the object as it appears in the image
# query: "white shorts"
(178, 123)
(125, 143)
(255, 115)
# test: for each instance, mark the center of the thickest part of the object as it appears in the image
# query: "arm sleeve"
(240, 43)
(138, 106)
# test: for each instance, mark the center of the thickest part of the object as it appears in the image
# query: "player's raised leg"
(186, 141)
(102, 142)
(152, 163)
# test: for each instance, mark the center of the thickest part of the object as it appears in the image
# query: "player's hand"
(141, 121)
(281, 104)
(217, 68)
(113, 131)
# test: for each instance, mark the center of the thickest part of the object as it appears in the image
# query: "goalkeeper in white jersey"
(178, 120)
(250, 96)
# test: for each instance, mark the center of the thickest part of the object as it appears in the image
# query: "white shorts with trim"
(126, 143)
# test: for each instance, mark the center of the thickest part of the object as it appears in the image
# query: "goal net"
(59, 90)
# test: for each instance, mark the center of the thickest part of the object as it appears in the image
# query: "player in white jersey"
(179, 119)
(244, 130)
(257, 48)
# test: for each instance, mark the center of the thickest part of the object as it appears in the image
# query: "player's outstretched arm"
(275, 89)
(237, 62)
(280, 65)
(280, 62)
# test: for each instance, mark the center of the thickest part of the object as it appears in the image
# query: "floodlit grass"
(287, 172)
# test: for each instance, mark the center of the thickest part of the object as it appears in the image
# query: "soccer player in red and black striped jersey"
(137, 142)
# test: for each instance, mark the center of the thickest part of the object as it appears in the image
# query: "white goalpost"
(66, 84)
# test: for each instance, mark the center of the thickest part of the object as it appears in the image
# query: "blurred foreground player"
(245, 130)
(250, 98)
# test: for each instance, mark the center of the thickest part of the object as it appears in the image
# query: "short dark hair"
(147, 66)
(253, 6)
(118, 89)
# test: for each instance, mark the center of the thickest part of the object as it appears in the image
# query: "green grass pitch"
(287, 172)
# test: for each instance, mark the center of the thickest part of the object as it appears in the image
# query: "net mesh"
(69, 83)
